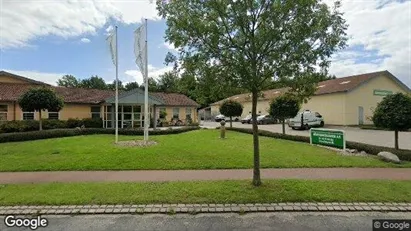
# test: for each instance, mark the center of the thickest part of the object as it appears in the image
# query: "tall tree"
(68, 81)
(130, 86)
(394, 113)
(253, 41)
(112, 86)
(39, 99)
(94, 82)
(152, 85)
(168, 82)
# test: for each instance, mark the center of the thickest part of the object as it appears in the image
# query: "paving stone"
(249, 205)
(288, 208)
(379, 203)
(92, 210)
(362, 203)
(289, 203)
(147, 210)
(59, 211)
(125, 210)
(162, 210)
(227, 209)
(155, 210)
(358, 208)
(304, 208)
(297, 208)
(408, 208)
(134, 210)
(305, 204)
(158, 206)
(253, 209)
(337, 208)
(85, 206)
(227, 205)
(330, 208)
(204, 210)
(3, 212)
(219, 209)
(376, 208)
(75, 211)
(110, 206)
(366, 208)
(322, 204)
(270, 208)
(184, 210)
(177, 210)
(344, 208)
(212, 209)
(134, 206)
(312, 208)
(117, 210)
(266, 204)
(66, 211)
(141, 206)
(71, 206)
(352, 208)
(181, 205)
(83, 210)
(402, 208)
(322, 208)
(211, 205)
(282, 204)
(261, 209)
(219, 205)
(278, 208)
(235, 209)
(108, 210)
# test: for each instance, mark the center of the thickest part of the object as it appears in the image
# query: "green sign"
(328, 137)
(382, 92)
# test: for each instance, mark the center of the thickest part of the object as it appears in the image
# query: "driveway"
(374, 137)
(298, 221)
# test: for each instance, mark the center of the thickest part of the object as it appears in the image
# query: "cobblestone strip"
(203, 208)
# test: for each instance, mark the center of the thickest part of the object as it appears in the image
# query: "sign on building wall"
(328, 137)
(382, 92)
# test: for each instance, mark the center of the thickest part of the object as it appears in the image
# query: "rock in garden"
(389, 157)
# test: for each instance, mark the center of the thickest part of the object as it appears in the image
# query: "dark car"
(266, 119)
(248, 119)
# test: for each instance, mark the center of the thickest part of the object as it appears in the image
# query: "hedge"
(368, 148)
(56, 133)
(33, 125)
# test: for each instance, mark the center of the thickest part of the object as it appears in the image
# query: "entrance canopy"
(135, 96)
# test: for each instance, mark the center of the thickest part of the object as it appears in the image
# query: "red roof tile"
(175, 99)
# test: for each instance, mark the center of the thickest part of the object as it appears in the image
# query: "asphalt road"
(259, 221)
(374, 137)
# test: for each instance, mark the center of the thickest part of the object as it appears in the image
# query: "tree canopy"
(231, 109)
(39, 99)
(248, 44)
(394, 113)
(283, 107)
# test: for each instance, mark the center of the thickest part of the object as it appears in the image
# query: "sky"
(45, 39)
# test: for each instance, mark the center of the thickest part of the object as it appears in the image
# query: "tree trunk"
(396, 139)
(231, 121)
(283, 122)
(256, 172)
(40, 122)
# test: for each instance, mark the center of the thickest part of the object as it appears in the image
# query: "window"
(176, 113)
(3, 112)
(162, 113)
(53, 115)
(188, 113)
(95, 112)
(27, 115)
(107, 116)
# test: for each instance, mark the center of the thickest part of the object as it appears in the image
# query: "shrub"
(56, 133)
(368, 148)
(92, 123)
(73, 123)
(54, 124)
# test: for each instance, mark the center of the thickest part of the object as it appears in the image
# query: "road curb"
(204, 208)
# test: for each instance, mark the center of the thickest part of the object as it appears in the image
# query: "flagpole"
(146, 114)
(116, 135)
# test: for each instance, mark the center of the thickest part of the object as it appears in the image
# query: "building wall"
(364, 96)
(182, 113)
(8, 79)
(330, 106)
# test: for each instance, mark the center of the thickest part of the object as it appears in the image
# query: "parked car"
(222, 117)
(266, 119)
(248, 119)
(310, 119)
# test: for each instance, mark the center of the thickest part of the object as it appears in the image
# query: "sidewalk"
(191, 175)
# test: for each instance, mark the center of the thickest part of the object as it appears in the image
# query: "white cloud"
(23, 21)
(85, 40)
(381, 27)
(154, 72)
(50, 78)
(170, 46)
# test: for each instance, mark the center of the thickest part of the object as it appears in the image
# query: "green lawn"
(207, 192)
(201, 149)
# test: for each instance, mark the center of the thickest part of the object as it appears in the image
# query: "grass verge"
(207, 192)
(201, 149)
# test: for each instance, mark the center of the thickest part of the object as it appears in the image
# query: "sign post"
(328, 137)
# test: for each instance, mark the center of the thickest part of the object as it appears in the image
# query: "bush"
(368, 148)
(54, 124)
(92, 123)
(56, 133)
(74, 123)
